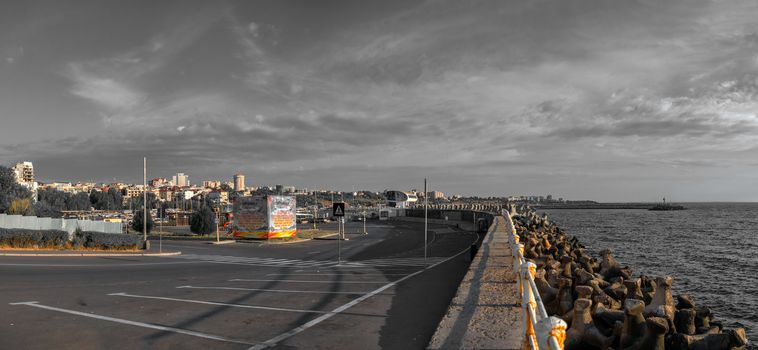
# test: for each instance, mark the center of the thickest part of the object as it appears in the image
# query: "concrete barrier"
(68, 225)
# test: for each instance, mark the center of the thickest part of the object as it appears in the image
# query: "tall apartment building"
(24, 173)
(181, 180)
(239, 182)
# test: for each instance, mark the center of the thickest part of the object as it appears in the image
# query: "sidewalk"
(484, 314)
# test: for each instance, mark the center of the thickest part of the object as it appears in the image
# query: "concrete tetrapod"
(583, 331)
(634, 322)
(568, 274)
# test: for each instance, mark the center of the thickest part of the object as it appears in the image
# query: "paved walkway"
(484, 313)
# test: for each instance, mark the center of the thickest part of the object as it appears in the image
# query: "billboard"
(282, 217)
(264, 217)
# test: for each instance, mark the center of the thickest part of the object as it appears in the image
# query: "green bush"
(203, 221)
(105, 241)
(21, 238)
(52, 239)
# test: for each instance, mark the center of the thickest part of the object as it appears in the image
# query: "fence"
(540, 331)
(68, 225)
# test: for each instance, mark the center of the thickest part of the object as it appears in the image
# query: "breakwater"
(606, 305)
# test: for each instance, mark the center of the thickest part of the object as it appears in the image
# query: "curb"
(325, 236)
(94, 254)
(222, 242)
(263, 242)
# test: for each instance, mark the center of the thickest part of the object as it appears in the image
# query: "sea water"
(711, 250)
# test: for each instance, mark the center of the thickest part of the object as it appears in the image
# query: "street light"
(144, 200)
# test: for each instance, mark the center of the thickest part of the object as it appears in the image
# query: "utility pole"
(315, 209)
(160, 233)
(426, 224)
(144, 199)
(218, 221)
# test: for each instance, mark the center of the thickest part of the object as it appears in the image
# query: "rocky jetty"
(605, 305)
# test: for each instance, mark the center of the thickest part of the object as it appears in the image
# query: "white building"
(24, 173)
(400, 199)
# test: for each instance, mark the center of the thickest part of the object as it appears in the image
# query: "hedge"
(54, 239)
(22, 238)
(99, 240)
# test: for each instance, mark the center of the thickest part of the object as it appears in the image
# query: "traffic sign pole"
(339, 242)
(338, 211)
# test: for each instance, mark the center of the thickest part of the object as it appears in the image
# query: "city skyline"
(603, 100)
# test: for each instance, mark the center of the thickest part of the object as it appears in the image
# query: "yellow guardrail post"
(528, 305)
(540, 331)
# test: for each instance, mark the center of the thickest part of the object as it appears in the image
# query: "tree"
(203, 220)
(54, 199)
(45, 210)
(79, 201)
(21, 206)
(138, 221)
(10, 190)
(109, 200)
(152, 201)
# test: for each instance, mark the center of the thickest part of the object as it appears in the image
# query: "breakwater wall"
(484, 314)
(68, 225)
(606, 305)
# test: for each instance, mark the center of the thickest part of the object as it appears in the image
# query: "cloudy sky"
(598, 99)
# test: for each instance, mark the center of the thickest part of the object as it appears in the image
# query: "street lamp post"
(426, 225)
(160, 232)
(144, 199)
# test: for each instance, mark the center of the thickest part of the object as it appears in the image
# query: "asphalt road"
(242, 296)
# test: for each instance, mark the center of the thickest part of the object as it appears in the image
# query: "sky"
(610, 100)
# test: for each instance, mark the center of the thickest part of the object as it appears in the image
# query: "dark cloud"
(518, 96)
(687, 127)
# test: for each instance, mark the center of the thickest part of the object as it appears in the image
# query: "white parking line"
(104, 265)
(219, 304)
(271, 290)
(275, 340)
(134, 323)
(302, 281)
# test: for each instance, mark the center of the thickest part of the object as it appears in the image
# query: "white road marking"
(104, 265)
(302, 281)
(419, 262)
(219, 304)
(275, 340)
(345, 274)
(324, 264)
(138, 324)
(256, 261)
(271, 290)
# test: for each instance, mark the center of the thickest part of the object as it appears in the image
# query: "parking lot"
(383, 294)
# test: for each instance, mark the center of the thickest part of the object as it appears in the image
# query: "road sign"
(338, 209)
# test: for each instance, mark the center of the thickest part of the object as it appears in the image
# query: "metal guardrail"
(540, 330)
